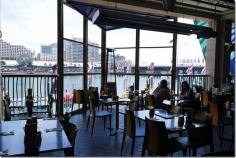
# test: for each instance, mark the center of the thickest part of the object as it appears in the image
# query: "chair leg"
(110, 123)
(184, 152)
(123, 142)
(104, 119)
(232, 140)
(139, 122)
(132, 150)
(189, 152)
(212, 147)
(219, 131)
(221, 136)
(194, 152)
(93, 125)
(88, 122)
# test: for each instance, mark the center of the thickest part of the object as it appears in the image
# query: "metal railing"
(193, 80)
(16, 86)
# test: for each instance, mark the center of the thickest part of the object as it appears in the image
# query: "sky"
(33, 23)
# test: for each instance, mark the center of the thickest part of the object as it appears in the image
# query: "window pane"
(156, 63)
(73, 23)
(94, 34)
(152, 39)
(121, 38)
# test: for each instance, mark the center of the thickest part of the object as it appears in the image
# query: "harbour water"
(17, 86)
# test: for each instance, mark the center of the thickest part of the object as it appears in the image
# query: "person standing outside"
(150, 71)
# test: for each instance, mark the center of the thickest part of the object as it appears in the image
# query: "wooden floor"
(102, 144)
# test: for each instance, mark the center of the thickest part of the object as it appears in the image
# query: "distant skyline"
(33, 23)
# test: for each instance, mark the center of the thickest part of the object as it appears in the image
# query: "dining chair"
(175, 109)
(130, 130)
(71, 134)
(93, 113)
(229, 117)
(205, 100)
(78, 97)
(111, 88)
(93, 88)
(149, 102)
(32, 140)
(156, 140)
(200, 136)
(132, 106)
(49, 106)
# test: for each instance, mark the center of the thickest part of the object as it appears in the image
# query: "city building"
(10, 52)
(73, 51)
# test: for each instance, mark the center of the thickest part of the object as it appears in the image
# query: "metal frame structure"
(202, 9)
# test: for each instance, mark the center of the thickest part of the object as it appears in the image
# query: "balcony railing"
(16, 86)
(193, 80)
(43, 84)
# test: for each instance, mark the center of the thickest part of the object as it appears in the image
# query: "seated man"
(161, 93)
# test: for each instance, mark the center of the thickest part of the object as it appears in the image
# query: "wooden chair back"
(175, 109)
(93, 102)
(214, 112)
(93, 88)
(50, 102)
(32, 140)
(149, 102)
(201, 136)
(205, 99)
(134, 104)
(129, 124)
(78, 96)
(156, 137)
(71, 134)
(111, 88)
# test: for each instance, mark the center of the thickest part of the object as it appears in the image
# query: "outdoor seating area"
(108, 104)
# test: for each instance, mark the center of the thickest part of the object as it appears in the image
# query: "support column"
(137, 59)
(85, 51)
(222, 58)
(227, 42)
(174, 53)
(103, 60)
(85, 56)
(60, 52)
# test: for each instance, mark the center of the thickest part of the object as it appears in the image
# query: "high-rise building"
(73, 51)
(10, 52)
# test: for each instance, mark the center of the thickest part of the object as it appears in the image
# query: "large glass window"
(191, 56)
(155, 58)
(123, 40)
(73, 56)
(27, 26)
(94, 55)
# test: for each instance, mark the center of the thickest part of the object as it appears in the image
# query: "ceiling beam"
(214, 4)
(148, 8)
(228, 15)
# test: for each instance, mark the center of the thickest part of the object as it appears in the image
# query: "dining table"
(116, 102)
(12, 136)
(170, 119)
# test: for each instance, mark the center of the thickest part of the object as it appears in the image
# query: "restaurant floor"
(102, 144)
